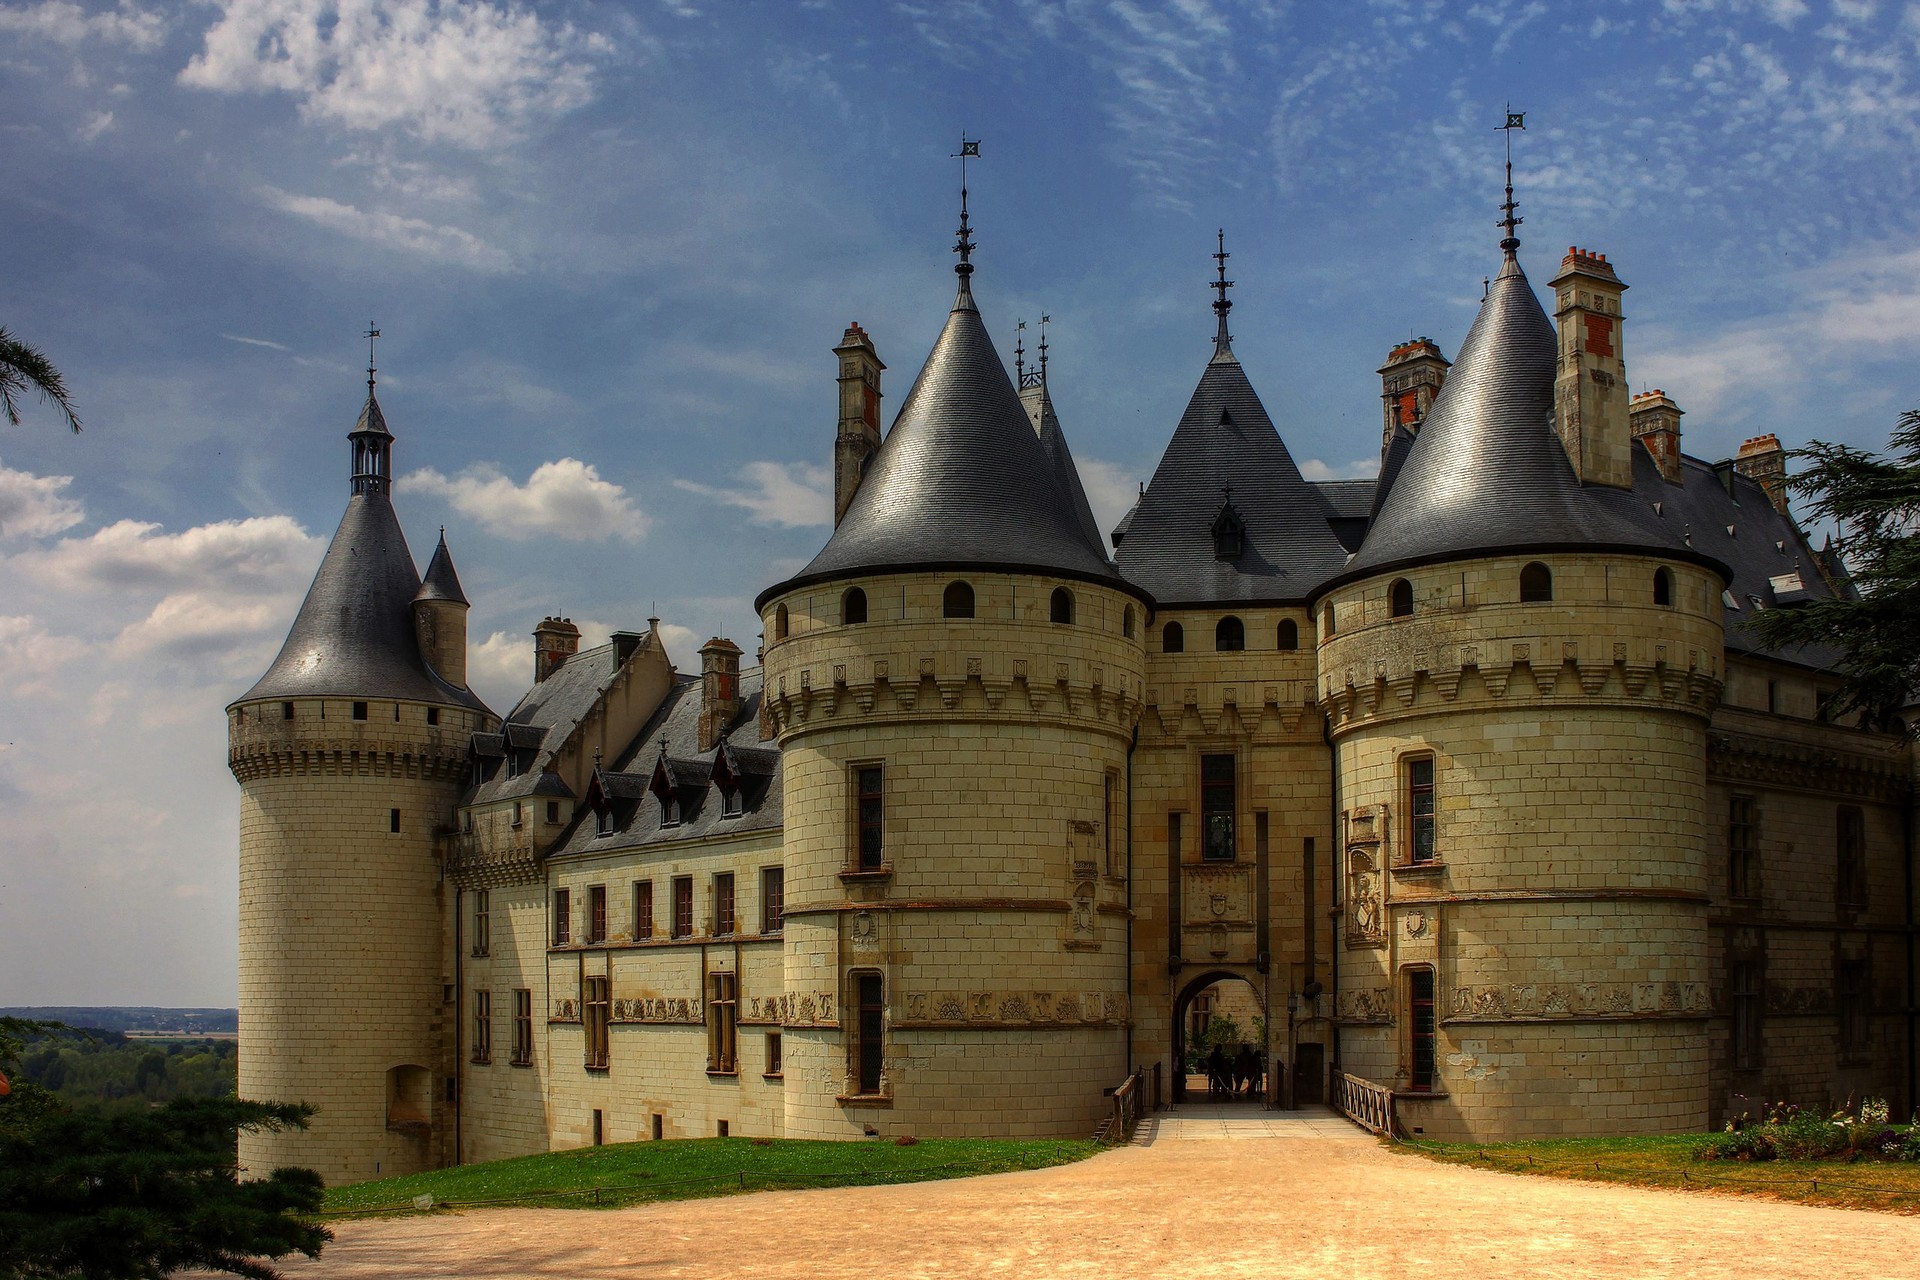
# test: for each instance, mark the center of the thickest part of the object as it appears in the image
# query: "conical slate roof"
(1046, 424)
(962, 480)
(1487, 474)
(1226, 448)
(441, 582)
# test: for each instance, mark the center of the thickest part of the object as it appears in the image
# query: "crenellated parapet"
(321, 738)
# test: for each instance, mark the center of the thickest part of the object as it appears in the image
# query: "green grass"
(689, 1168)
(1673, 1161)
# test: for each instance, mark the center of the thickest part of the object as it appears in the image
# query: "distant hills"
(134, 1019)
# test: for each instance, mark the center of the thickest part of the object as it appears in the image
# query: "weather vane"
(1511, 242)
(371, 335)
(1221, 338)
(1020, 353)
(1044, 320)
(964, 246)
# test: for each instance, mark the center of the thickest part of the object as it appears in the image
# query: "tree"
(23, 369)
(143, 1194)
(1875, 503)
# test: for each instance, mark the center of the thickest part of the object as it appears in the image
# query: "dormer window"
(732, 803)
(1229, 533)
(603, 821)
(669, 810)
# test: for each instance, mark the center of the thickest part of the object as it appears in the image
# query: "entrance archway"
(1218, 1007)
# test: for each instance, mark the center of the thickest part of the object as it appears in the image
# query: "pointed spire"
(1020, 354)
(963, 244)
(441, 582)
(1222, 340)
(1510, 244)
(1044, 320)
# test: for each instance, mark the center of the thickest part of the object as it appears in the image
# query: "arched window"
(1326, 620)
(1400, 598)
(1173, 638)
(1126, 623)
(1289, 638)
(780, 623)
(1229, 635)
(1662, 586)
(853, 606)
(1536, 583)
(957, 600)
(1062, 605)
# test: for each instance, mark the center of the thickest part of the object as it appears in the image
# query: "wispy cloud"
(65, 23)
(256, 342)
(34, 506)
(791, 495)
(415, 236)
(563, 499)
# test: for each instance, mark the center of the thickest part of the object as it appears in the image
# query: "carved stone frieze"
(985, 1009)
(1365, 1004)
(814, 1009)
(677, 1010)
(1536, 1001)
(1739, 757)
(1221, 894)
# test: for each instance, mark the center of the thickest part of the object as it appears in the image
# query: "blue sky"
(611, 246)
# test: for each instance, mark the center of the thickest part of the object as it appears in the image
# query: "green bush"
(1792, 1133)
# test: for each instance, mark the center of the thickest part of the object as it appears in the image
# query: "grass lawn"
(689, 1168)
(1672, 1161)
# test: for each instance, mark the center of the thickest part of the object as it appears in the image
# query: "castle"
(1470, 776)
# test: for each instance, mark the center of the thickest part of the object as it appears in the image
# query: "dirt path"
(1201, 1197)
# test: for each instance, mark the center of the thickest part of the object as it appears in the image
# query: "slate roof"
(1046, 425)
(354, 636)
(1226, 440)
(961, 481)
(1487, 474)
(677, 725)
(539, 724)
(441, 582)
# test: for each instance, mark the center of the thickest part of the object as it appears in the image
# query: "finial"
(371, 335)
(1020, 354)
(1044, 318)
(1510, 244)
(964, 245)
(1222, 340)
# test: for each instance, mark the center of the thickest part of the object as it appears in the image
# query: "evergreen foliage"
(1875, 502)
(23, 369)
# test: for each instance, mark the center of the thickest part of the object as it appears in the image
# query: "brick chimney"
(859, 435)
(719, 689)
(1656, 425)
(554, 641)
(1409, 380)
(1590, 392)
(1762, 460)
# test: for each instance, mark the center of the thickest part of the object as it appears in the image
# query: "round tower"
(1517, 668)
(350, 753)
(954, 681)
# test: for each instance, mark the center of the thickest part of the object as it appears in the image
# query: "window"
(683, 906)
(1230, 635)
(483, 1027)
(870, 817)
(1850, 845)
(780, 623)
(642, 910)
(1422, 1073)
(393, 821)
(733, 801)
(723, 915)
(1743, 981)
(1743, 848)
(1111, 820)
(957, 600)
(433, 715)
(1173, 638)
(516, 813)
(1062, 605)
(773, 1054)
(723, 1028)
(1216, 808)
(853, 606)
(523, 1027)
(1662, 586)
(286, 711)
(359, 711)
(773, 899)
(482, 921)
(1126, 622)
(596, 913)
(1326, 620)
(869, 1029)
(562, 917)
(1536, 583)
(1288, 638)
(603, 823)
(1420, 811)
(596, 1005)
(670, 807)
(553, 811)
(1850, 988)
(1400, 598)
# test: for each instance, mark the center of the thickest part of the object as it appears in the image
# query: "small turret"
(554, 641)
(440, 618)
(719, 689)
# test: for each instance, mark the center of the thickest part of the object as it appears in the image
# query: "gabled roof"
(1487, 474)
(541, 722)
(962, 480)
(1226, 441)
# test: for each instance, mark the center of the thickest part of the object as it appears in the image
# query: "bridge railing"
(1367, 1104)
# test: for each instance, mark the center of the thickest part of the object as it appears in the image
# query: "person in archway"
(1246, 1070)
(1219, 1082)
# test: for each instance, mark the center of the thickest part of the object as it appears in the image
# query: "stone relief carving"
(866, 932)
(1526, 1000)
(1017, 1008)
(791, 1010)
(668, 1009)
(1363, 900)
(565, 1011)
(1366, 1004)
(1218, 894)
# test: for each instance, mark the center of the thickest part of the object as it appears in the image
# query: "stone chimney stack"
(1656, 424)
(1761, 459)
(1590, 392)
(719, 689)
(554, 641)
(1409, 380)
(859, 435)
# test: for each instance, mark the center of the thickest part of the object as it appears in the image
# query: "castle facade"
(1469, 778)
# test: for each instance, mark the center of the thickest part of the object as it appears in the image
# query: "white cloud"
(36, 506)
(98, 123)
(1111, 492)
(256, 342)
(417, 236)
(1358, 469)
(30, 656)
(68, 24)
(465, 72)
(564, 499)
(258, 555)
(500, 668)
(792, 495)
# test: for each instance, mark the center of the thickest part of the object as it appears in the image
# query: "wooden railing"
(1367, 1104)
(1138, 1094)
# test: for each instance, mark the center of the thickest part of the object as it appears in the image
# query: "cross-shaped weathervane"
(371, 335)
